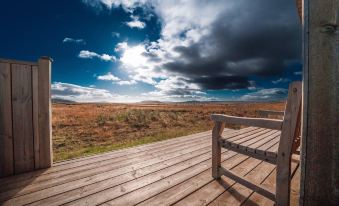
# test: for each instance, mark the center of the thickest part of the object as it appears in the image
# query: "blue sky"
(169, 50)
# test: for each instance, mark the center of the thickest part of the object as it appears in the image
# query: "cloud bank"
(78, 93)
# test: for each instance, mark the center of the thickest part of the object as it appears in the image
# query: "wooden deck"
(171, 172)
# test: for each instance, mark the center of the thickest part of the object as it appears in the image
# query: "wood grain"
(216, 148)
(320, 168)
(255, 122)
(45, 114)
(289, 132)
(6, 136)
(35, 102)
(22, 118)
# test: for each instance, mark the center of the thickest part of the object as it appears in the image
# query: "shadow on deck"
(171, 172)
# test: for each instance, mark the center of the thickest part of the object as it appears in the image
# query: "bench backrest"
(292, 120)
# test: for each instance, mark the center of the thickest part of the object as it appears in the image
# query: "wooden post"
(216, 148)
(320, 132)
(44, 113)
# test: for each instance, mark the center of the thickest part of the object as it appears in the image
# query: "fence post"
(45, 113)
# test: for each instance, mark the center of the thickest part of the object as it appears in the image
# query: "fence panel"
(25, 116)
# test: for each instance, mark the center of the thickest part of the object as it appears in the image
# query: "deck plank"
(111, 170)
(142, 148)
(103, 181)
(130, 153)
(212, 190)
(155, 188)
(94, 167)
(163, 173)
(97, 158)
(238, 193)
(184, 189)
(198, 164)
(257, 199)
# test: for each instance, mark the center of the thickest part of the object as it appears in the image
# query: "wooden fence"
(25, 116)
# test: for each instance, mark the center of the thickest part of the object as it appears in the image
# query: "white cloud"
(108, 77)
(107, 57)
(121, 46)
(116, 80)
(272, 94)
(136, 23)
(179, 89)
(71, 40)
(133, 56)
(281, 80)
(127, 82)
(127, 5)
(79, 93)
(85, 54)
(174, 83)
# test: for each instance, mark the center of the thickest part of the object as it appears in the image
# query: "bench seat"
(254, 141)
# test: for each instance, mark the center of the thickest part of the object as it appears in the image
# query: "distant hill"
(62, 101)
(151, 102)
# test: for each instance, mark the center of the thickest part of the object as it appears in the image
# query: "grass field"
(84, 129)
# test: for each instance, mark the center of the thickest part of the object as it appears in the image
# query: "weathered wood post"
(216, 148)
(320, 134)
(44, 110)
(6, 136)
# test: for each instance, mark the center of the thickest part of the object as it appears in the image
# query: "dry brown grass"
(82, 129)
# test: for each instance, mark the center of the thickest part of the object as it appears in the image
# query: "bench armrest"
(255, 122)
(270, 112)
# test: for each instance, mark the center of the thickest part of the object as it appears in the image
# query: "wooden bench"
(270, 140)
(268, 113)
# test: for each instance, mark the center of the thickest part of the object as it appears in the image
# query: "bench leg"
(216, 149)
(283, 179)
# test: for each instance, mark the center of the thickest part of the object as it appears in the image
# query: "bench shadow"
(234, 193)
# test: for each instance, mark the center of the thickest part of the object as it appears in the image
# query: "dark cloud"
(222, 82)
(254, 38)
